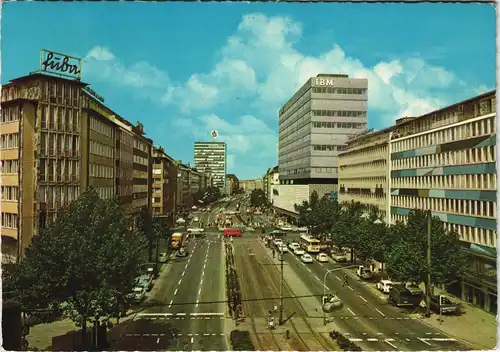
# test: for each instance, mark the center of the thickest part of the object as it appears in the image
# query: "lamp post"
(324, 284)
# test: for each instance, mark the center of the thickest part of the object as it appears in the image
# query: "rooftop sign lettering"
(324, 82)
(60, 64)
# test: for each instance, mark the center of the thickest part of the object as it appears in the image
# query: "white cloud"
(274, 69)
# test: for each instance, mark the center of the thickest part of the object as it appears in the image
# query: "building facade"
(232, 184)
(444, 161)
(55, 140)
(210, 159)
(315, 124)
(164, 190)
(250, 185)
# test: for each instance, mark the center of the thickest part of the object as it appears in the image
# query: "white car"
(322, 258)
(303, 229)
(162, 258)
(339, 257)
(138, 294)
(286, 228)
(293, 245)
(306, 258)
(282, 248)
(298, 251)
(196, 219)
(278, 242)
(384, 285)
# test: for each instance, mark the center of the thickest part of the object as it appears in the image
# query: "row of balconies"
(61, 127)
(68, 153)
(58, 178)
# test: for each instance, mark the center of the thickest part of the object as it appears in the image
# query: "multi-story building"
(270, 178)
(184, 200)
(142, 170)
(56, 138)
(443, 161)
(364, 171)
(210, 159)
(232, 184)
(164, 185)
(314, 126)
(250, 185)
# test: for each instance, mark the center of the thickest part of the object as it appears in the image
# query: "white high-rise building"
(210, 159)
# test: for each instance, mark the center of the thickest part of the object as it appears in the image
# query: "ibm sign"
(324, 81)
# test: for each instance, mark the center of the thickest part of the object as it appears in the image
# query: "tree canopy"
(318, 215)
(84, 263)
(258, 198)
(207, 195)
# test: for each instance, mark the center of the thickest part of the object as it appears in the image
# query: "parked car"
(339, 257)
(322, 258)
(196, 219)
(364, 273)
(414, 289)
(306, 258)
(384, 286)
(162, 258)
(278, 242)
(293, 245)
(282, 248)
(331, 303)
(303, 229)
(400, 296)
(298, 251)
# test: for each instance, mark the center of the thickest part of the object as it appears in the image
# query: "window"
(9, 141)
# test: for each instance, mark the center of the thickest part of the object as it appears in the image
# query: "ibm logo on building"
(324, 81)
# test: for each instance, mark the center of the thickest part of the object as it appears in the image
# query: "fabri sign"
(60, 64)
(324, 82)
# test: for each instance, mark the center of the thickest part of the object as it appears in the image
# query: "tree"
(144, 224)
(84, 264)
(206, 196)
(407, 260)
(318, 215)
(257, 198)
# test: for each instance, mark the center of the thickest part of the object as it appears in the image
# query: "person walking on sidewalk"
(346, 281)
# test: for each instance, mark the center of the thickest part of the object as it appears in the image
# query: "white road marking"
(363, 299)
(388, 341)
(207, 314)
(181, 314)
(179, 282)
(206, 334)
(192, 339)
(158, 340)
(308, 269)
(199, 291)
(349, 309)
(153, 314)
(201, 282)
(317, 278)
(204, 266)
(170, 304)
(183, 273)
(355, 340)
(145, 334)
(424, 341)
(350, 288)
(372, 340)
(379, 333)
(428, 333)
(175, 292)
(443, 339)
(338, 278)
(328, 288)
(186, 266)
(197, 303)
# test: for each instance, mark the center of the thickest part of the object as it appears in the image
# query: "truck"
(400, 296)
(177, 240)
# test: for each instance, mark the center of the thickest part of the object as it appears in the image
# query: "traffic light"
(442, 300)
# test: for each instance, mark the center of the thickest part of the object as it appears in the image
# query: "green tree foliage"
(83, 264)
(407, 259)
(206, 196)
(318, 215)
(257, 198)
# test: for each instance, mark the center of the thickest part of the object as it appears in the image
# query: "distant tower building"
(210, 159)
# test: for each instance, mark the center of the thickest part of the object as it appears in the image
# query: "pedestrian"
(274, 253)
(346, 282)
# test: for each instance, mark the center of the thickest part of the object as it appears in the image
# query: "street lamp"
(324, 284)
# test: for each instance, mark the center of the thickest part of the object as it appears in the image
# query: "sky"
(185, 69)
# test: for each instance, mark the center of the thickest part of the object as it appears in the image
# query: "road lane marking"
(424, 341)
(440, 339)
(204, 266)
(207, 314)
(181, 314)
(338, 278)
(206, 334)
(356, 340)
(199, 291)
(349, 309)
(201, 282)
(372, 340)
(328, 288)
(197, 303)
(308, 269)
(175, 292)
(388, 341)
(186, 266)
(363, 299)
(382, 314)
(428, 333)
(153, 314)
(179, 282)
(183, 273)
(170, 304)
(350, 288)
(192, 339)
(158, 340)
(317, 278)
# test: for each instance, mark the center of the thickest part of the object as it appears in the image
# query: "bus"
(177, 240)
(228, 232)
(309, 244)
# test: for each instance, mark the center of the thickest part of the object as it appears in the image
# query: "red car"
(232, 233)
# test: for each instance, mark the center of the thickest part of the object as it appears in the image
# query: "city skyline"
(225, 83)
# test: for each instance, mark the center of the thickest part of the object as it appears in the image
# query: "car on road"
(322, 258)
(293, 245)
(306, 258)
(278, 242)
(138, 294)
(196, 219)
(414, 289)
(286, 228)
(298, 251)
(339, 257)
(162, 258)
(364, 273)
(384, 286)
(282, 248)
(183, 252)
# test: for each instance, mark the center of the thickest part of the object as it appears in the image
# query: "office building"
(315, 124)
(164, 185)
(444, 161)
(210, 159)
(232, 184)
(56, 138)
(270, 179)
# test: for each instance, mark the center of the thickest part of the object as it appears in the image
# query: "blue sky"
(184, 69)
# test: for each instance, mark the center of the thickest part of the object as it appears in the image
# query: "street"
(181, 316)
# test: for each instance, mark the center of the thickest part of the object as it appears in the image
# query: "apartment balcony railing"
(51, 177)
(43, 125)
